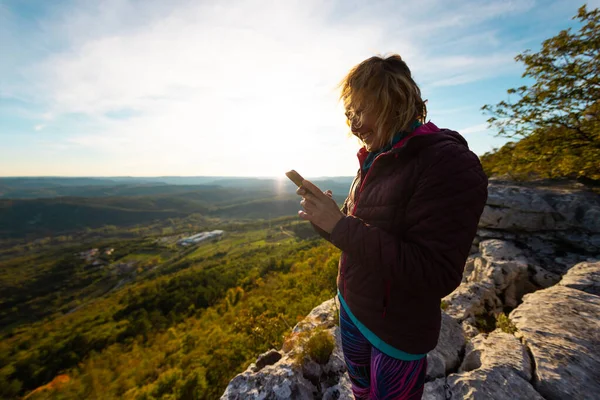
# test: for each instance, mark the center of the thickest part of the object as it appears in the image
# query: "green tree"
(557, 115)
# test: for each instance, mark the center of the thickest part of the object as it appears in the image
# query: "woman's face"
(365, 131)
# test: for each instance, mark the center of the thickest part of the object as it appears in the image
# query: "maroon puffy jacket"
(407, 233)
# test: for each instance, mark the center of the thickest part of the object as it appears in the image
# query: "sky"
(240, 88)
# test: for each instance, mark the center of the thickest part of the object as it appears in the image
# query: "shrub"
(505, 324)
(318, 347)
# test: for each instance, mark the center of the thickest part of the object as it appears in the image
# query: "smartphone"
(296, 178)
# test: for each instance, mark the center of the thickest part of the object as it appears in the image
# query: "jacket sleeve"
(441, 222)
(325, 235)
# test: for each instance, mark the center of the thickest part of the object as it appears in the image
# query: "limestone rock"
(502, 264)
(336, 364)
(284, 378)
(323, 315)
(470, 265)
(278, 381)
(583, 276)
(499, 274)
(542, 277)
(561, 328)
(469, 328)
(268, 358)
(341, 391)
(499, 250)
(483, 234)
(516, 208)
(495, 366)
(589, 242)
(568, 260)
(534, 209)
(446, 355)
(435, 390)
(497, 349)
(569, 216)
(471, 299)
(500, 383)
(311, 370)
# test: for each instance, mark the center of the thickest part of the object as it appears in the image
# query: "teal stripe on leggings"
(376, 341)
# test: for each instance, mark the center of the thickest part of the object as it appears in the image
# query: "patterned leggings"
(375, 375)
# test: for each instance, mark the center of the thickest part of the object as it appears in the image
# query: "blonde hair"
(383, 87)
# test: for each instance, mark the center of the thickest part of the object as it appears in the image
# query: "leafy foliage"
(505, 324)
(548, 156)
(319, 346)
(182, 329)
(558, 115)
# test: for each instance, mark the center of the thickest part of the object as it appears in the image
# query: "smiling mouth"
(365, 136)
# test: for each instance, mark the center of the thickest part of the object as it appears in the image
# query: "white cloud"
(246, 87)
(475, 129)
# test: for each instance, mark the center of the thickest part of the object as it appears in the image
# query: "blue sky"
(148, 88)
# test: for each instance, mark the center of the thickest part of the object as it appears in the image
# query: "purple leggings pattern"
(377, 376)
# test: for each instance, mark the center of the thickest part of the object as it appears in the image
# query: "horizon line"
(159, 176)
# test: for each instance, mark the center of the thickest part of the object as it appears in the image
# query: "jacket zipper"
(344, 261)
(360, 189)
(362, 184)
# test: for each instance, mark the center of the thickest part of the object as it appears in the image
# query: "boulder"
(570, 217)
(516, 208)
(341, 391)
(278, 381)
(283, 377)
(542, 277)
(311, 370)
(336, 364)
(583, 276)
(500, 250)
(470, 265)
(504, 265)
(268, 358)
(323, 315)
(446, 355)
(497, 276)
(495, 366)
(470, 299)
(500, 383)
(469, 328)
(512, 207)
(497, 349)
(561, 328)
(435, 390)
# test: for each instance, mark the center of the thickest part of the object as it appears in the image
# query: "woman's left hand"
(319, 207)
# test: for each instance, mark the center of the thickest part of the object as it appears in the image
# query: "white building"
(200, 237)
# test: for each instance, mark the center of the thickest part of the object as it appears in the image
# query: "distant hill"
(52, 216)
(46, 187)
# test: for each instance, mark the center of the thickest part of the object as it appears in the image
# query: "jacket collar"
(424, 129)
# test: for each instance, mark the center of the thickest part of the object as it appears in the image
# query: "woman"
(405, 229)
